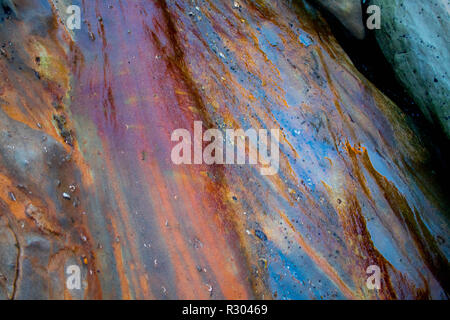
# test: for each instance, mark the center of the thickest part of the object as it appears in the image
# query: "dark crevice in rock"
(7, 9)
(18, 264)
(368, 58)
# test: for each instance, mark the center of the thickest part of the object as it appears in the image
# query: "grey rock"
(34, 284)
(348, 12)
(8, 261)
(415, 38)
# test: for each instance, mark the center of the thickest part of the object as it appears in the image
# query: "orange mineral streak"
(324, 265)
(219, 257)
(188, 281)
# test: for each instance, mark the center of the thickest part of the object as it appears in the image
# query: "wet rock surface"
(354, 187)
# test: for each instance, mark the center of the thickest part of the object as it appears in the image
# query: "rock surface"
(9, 252)
(348, 12)
(86, 177)
(415, 38)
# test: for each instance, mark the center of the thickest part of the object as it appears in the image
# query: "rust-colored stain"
(86, 177)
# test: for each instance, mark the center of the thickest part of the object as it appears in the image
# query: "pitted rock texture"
(415, 38)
